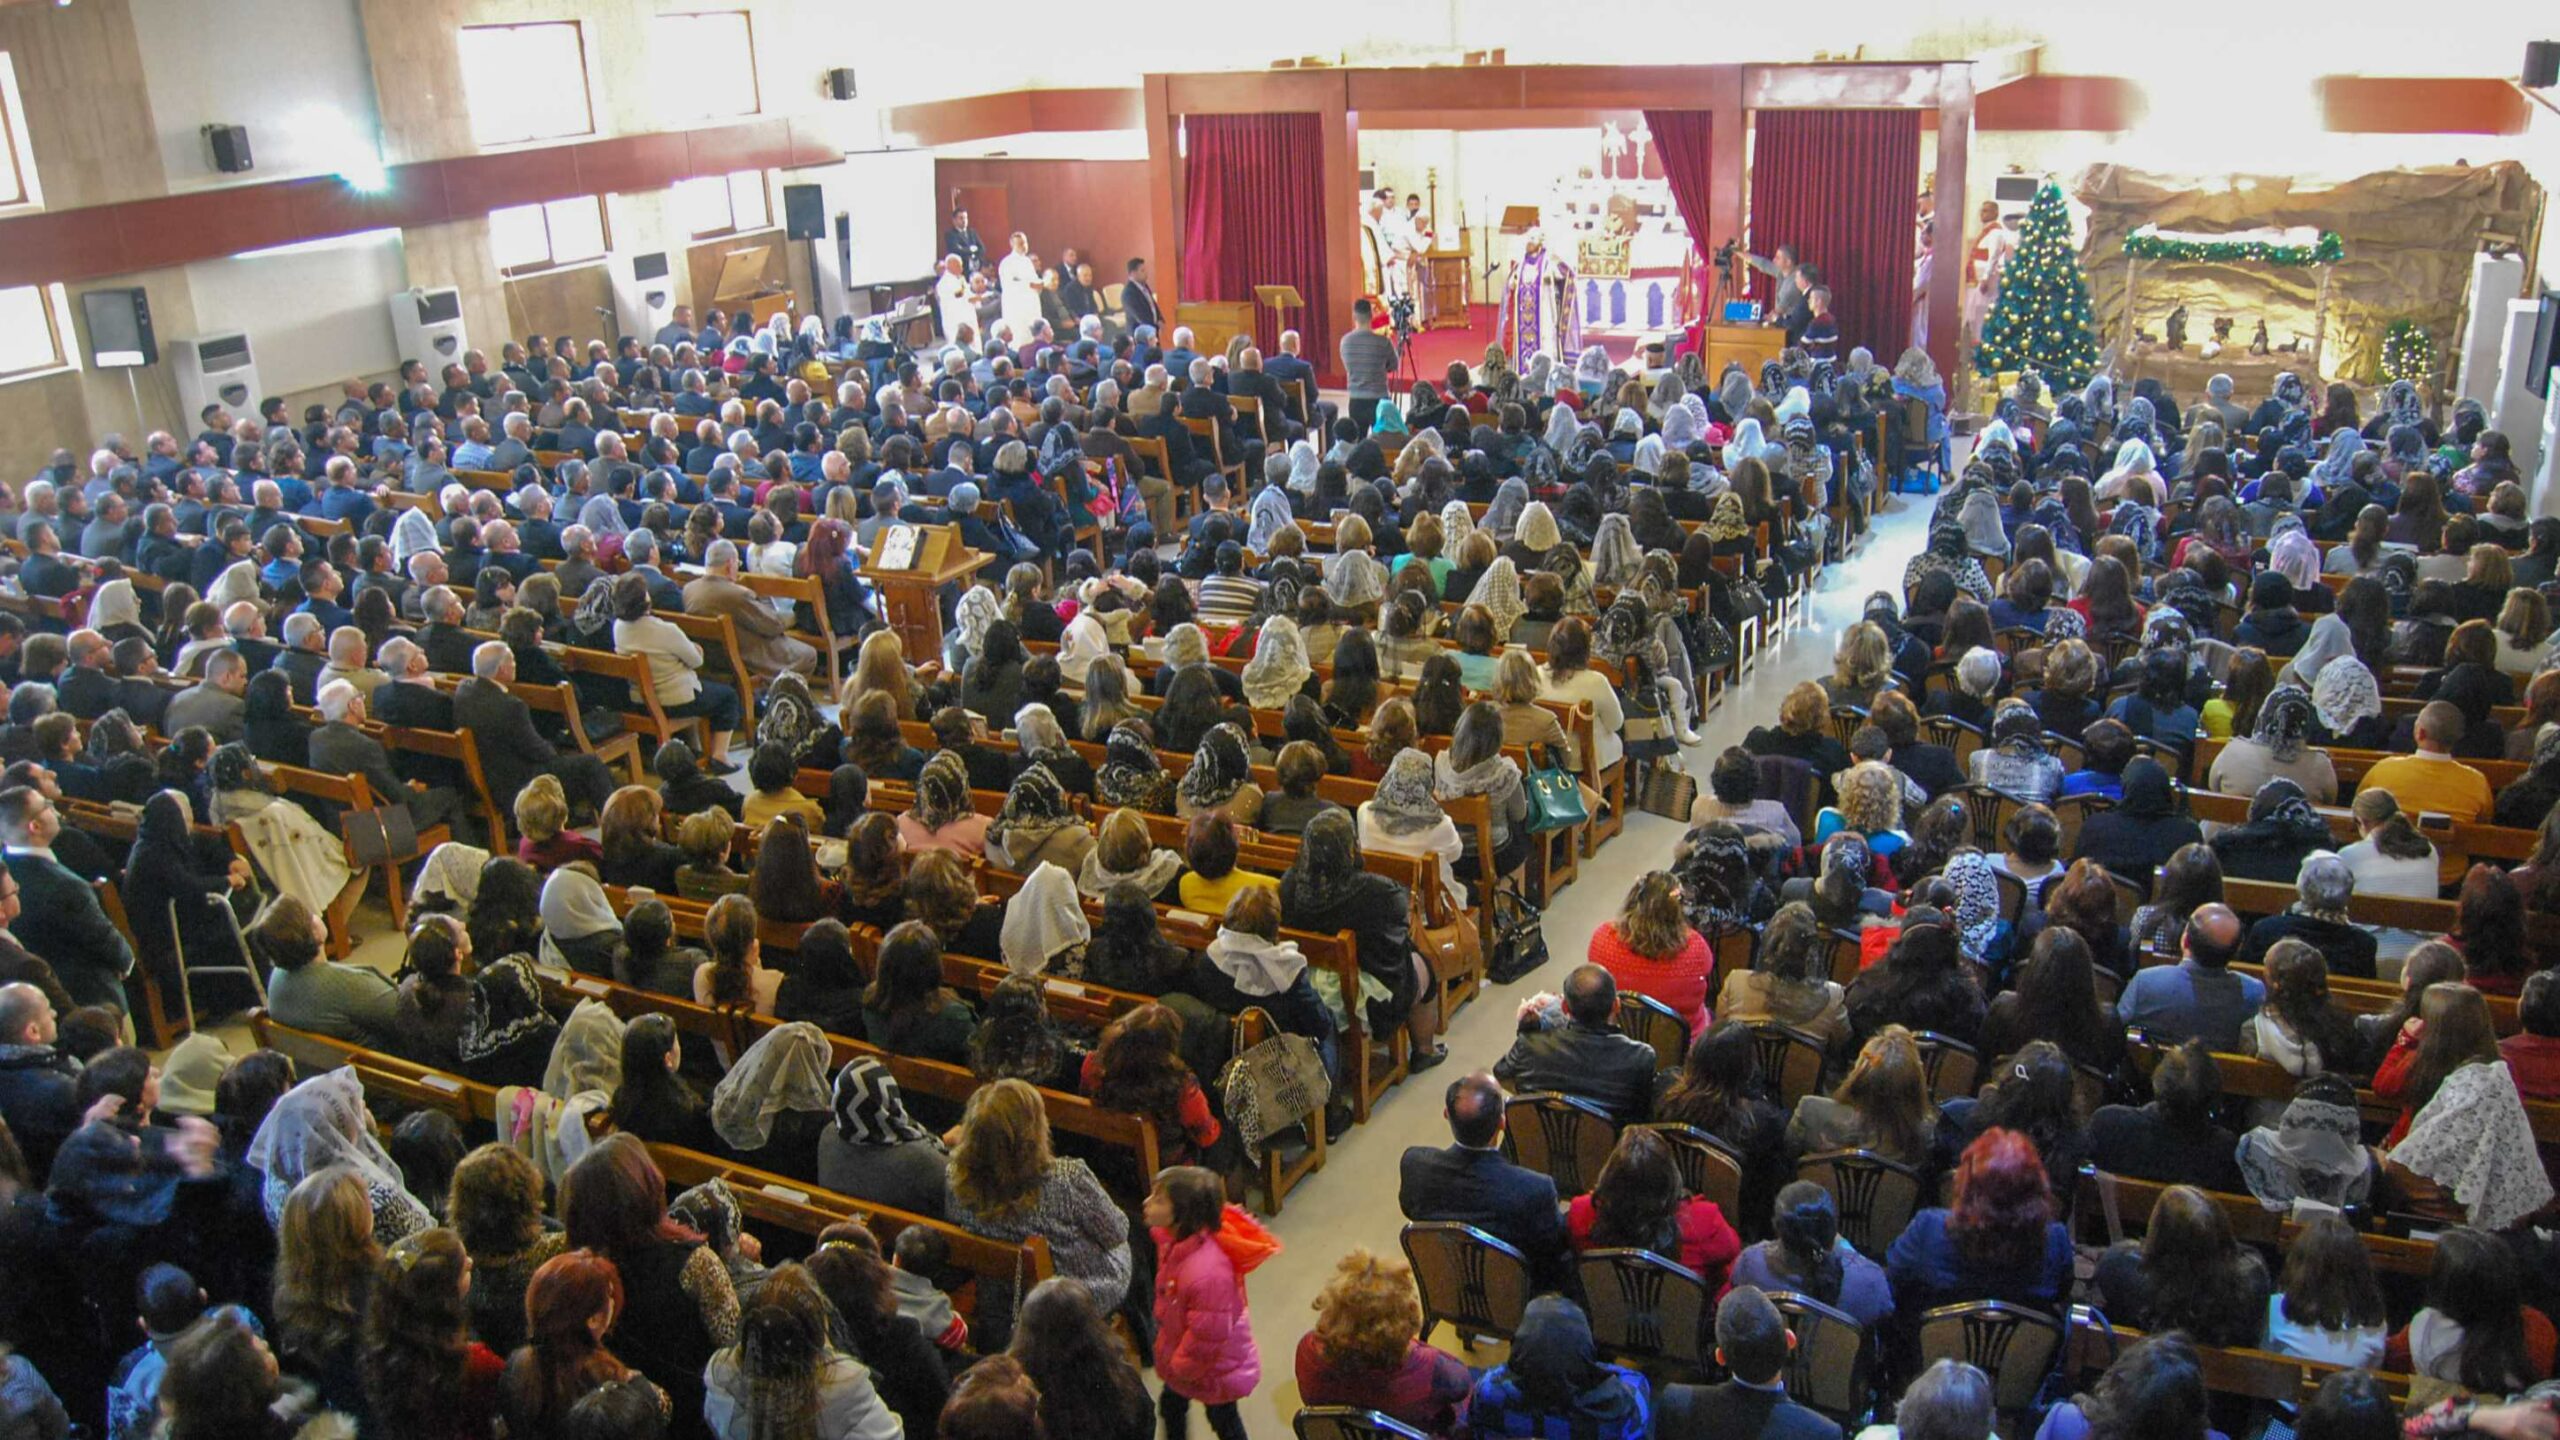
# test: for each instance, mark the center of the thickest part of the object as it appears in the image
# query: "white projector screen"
(888, 195)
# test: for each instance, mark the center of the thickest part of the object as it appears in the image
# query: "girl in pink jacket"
(1204, 1338)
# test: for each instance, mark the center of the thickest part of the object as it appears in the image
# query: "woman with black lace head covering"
(2282, 829)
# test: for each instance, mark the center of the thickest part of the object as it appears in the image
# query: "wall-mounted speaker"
(230, 147)
(119, 328)
(2542, 64)
(840, 84)
(804, 210)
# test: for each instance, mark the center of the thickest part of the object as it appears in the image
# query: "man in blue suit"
(1752, 1343)
(1469, 1182)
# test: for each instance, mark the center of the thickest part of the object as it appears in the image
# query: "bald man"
(1469, 1182)
(2199, 998)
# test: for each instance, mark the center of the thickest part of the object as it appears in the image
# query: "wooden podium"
(1749, 346)
(910, 596)
(1281, 299)
(1447, 279)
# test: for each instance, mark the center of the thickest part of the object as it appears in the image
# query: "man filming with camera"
(1368, 358)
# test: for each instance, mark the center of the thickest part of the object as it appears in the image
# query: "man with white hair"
(305, 654)
(43, 506)
(427, 570)
(516, 449)
(341, 747)
(951, 298)
(537, 533)
(764, 640)
(577, 570)
(1204, 401)
(640, 547)
(2318, 918)
(347, 662)
(512, 750)
(246, 626)
(1179, 355)
(446, 643)
(502, 548)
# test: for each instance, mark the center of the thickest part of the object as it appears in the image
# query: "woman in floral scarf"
(1132, 774)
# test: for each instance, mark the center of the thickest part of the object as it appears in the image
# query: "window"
(559, 232)
(17, 166)
(31, 331)
(526, 82)
(705, 65)
(724, 204)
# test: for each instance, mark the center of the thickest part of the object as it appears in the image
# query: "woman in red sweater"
(1639, 1202)
(2451, 1029)
(1651, 949)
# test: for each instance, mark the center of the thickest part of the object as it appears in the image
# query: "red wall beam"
(60, 246)
(2411, 105)
(2062, 102)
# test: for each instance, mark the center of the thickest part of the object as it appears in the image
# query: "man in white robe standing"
(1018, 285)
(951, 298)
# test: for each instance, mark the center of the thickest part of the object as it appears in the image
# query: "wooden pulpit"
(1281, 299)
(910, 592)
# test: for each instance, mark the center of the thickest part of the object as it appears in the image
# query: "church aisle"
(1353, 1201)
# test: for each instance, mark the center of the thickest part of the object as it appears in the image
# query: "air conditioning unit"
(215, 370)
(427, 325)
(644, 294)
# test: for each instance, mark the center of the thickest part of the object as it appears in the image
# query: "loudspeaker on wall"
(230, 147)
(2541, 64)
(840, 84)
(804, 212)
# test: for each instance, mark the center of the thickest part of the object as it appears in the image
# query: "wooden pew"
(2248, 1374)
(2351, 765)
(786, 1203)
(2251, 1223)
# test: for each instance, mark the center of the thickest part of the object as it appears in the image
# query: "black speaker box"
(804, 212)
(2542, 64)
(230, 147)
(840, 84)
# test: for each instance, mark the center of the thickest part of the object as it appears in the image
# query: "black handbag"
(384, 836)
(1519, 939)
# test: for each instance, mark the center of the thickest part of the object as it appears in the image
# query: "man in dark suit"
(512, 750)
(306, 653)
(341, 747)
(412, 702)
(577, 429)
(1588, 1056)
(1470, 1183)
(39, 1084)
(1288, 367)
(447, 645)
(322, 589)
(1280, 417)
(86, 689)
(61, 918)
(1138, 300)
(45, 572)
(1752, 1343)
(640, 547)
(344, 496)
(138, 691)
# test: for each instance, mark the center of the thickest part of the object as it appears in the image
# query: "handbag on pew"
(1452, 949)
(1555, 796)
(1668, 792)
(384, 836)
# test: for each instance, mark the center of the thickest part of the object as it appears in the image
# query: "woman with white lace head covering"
(1538, 532)
(1615, 560)
(1746, 442)
(978, 609)
(1083, 642)
(1304, 462)
(784, 1072)
(1539, 380)
(414, 533)
(1271, 515)
(1279, 667)
(1591, 370)
(323, 1122)
(1044, 921)
(1501, 517)
(1647, 460)
(1498, 591)
(588, 1055)
(1354, 578)
(1457, 522)
(450, 878)
(1680, 430)
(2135, 464)
(1561, 425)
(1405, 815)
(2474, 1139)
(238, 582)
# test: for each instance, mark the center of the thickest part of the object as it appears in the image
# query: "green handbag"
(1555, 797)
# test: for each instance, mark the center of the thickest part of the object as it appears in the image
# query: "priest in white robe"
(1018, 288)
(951, 299)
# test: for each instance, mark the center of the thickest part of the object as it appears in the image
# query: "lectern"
(1282, 299)
(910, 593)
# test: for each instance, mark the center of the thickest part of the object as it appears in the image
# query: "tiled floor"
(1353, 1201)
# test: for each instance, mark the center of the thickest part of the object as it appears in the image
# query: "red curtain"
(1842, 188)
(1681, 138)
(1255, 215)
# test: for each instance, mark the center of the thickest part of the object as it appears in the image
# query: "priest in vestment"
(1018, 285)
(1382, 265)
(951, 298)
(1982, 265)
(1537, 305)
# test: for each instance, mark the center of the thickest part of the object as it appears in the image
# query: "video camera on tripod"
(1400, 319)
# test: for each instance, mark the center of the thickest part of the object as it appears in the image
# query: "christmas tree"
(2041, 321)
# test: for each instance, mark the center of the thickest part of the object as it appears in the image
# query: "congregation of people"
(1986, 831)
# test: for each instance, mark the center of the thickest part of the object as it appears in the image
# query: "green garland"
(2328, 250)
(2408, 351)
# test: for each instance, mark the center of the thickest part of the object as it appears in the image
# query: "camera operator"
(1368, 358)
